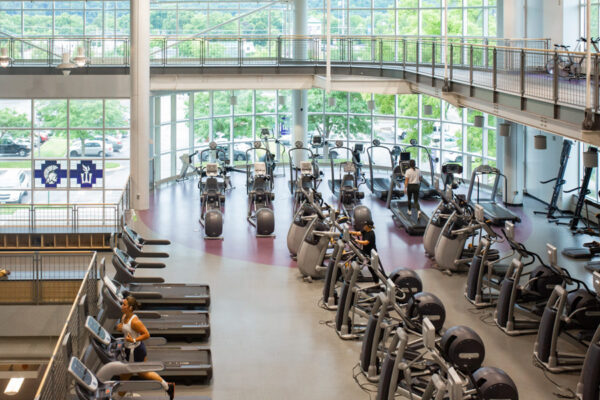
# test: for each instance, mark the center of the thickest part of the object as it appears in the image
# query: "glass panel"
(86, 114)
(491, 143)
(383, 129)
(201, 132)
(183, 136)
(221, 103)
(221, 129)
(201, 104)
(244, 102)
(358, 103)
(15, 113)
(474, 140)
(265, 101)
(165, 138)
(408, 129)
(315, 100)
(165, 166)
(452, 135)
(165, 109)
(242, 127)
(384, 104)
(50, 113)
(117, 113)
(340, 104)
(360, 128)
(430, 134)
(408, 105)
(182, 106)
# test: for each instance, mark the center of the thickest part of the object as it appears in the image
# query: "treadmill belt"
(193, 364)
(180, 324)
(173, 294)
(498, 214)
(413, 224)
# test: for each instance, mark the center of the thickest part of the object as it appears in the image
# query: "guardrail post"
(74, 217)
(432, 63)
(495, 72)
(417, 60)
(486, 51)
(164, 51)
(451, 66)
(240, 52)
(350, 51)
(471, 65)
(278, 50)
(381, 53)
(32, 217)
(403, 58)
(50, 43)
(522, 79)
(555, 82)
(36, 277)
(202, 51)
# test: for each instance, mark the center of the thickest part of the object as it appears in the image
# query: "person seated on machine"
(135, 333)
(412, 185)
(367, 242)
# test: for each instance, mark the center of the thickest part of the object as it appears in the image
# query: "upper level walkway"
(507, 78)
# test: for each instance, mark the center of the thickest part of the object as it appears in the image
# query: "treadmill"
(134, 244)
(171, 324)
(494, 212)
(428, 189)
(413, 224)
(379, 185)
(171, 294)
(193, 364)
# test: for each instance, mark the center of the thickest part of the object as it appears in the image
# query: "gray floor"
(269, 340)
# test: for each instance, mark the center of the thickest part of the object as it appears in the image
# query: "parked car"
(116, 144)
(13, 185)
(9, 147)
(93, 148)
(238, 155)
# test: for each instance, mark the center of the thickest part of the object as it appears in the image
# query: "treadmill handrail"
(369, 155)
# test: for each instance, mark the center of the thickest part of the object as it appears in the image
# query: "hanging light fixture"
(370, 105)
(427, 109)
(505, 129)
(281, 100)
(13, 387)
(331, 101)
(80, 59)
(590, 158)
(478, 121)
(66, 65)
(539, 142)
(233, 100)
(4, 58)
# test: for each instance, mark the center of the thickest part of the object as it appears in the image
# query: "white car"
(93, 148)
(13, 185)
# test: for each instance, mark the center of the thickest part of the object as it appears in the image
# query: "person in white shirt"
(412, 184)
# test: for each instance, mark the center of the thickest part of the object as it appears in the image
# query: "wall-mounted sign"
(86, 173)
(51, 173)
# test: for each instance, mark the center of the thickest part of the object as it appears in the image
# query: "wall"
(541, 165)
(41, 320)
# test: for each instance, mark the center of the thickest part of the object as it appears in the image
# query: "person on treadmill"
(135, 333)
(412, 185)
(367, 241)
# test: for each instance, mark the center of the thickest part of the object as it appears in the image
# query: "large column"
(511, 161)
(140, 104)
(300, 97)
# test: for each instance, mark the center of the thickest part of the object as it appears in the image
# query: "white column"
(140, 103)
(511, 161)
(300, 97)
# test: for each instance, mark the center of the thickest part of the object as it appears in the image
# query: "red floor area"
(174, 212)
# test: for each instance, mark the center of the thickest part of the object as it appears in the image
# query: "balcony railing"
(501, 65)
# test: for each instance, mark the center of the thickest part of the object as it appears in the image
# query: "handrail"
(175, 37)
(57, 348)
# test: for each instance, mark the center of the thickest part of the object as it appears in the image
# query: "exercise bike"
(259, 187)
(212, 192)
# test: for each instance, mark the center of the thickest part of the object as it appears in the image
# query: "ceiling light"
(13, 387)
(539, 142)
(80, 59)
(4, 58)
(478, 121)
(331, 101)
(370, 105)
(282, 100)
(233, 100)
(66, 65)
(427, 109)
(505, 129)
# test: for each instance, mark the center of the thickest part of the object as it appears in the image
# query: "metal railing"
(42, 277)
(55, 384)
(501, 65)
(76, 218)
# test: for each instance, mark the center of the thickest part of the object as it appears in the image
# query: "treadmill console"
(552, 254)
(112, 287)
(97, 331)
(349, 167)
(260, 169)
(212, 169)
(306, 168)
(317, 140)
(82, 375)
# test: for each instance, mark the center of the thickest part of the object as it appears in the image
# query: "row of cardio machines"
(529, 295)
(171, 312)
(405, 349)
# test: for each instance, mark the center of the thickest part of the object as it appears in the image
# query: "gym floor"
(269, 339)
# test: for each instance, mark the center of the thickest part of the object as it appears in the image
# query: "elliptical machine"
(449, 203)
(259, 186)
(346, 188)
(212, 192)
(302, 179)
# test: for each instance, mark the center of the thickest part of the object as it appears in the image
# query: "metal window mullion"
(31, 155)
(173, 133)
(157, 138)
(211, 116)
(103, 159)
(69, 155)
(191, 122)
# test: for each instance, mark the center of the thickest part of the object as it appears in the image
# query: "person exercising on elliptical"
(412, 185)
(367, 241)
(135, 333)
